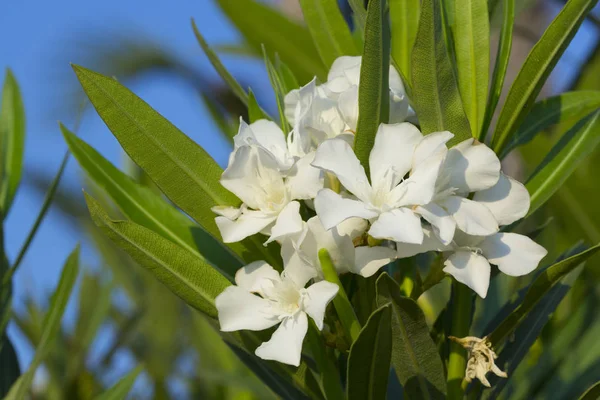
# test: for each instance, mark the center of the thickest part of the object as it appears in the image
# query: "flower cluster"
(419, 196)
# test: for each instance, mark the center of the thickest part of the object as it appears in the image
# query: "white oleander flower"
(481, 359)
(389, 201)
(263, 298)
(269, 196)
(339, 242)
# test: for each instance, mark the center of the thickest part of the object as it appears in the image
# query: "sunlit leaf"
(404, 19)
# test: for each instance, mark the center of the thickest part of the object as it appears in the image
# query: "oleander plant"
(365, 242)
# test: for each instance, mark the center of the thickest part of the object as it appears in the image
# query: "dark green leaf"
(141, 205)
(254, 113)
(373, 90)
(563, 108)
(471, 32)
(328, 29)
(501, 65)
(573, 147)
(277, 85)
(288, 80)
(262, 25)
(593, 393)
(369, 359)
(435, 92)
(536, 69)
(414, 354)
(329, 375)
(50, 326)
(12, 141)
(184, 273)
(120, 390)
(9, 365)
(404, 18)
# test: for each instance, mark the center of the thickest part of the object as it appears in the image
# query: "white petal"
(419, 188)
(333, 209)
(340, 247)
(399, 225)
(443, 224)
(249, 223)
(318, 296)
(231, 213)
(285, 345)
(471, 217)
(345, 66)
(240, 309)
(254, 276)
(336, 156)
(265, 134)
(298, 101)
(393, 151)
(304, 180)
(471, 269)
(514, 254)
(472, 166)
(348, 106)
(353, 227)
(288, 222)
(369, 260)
(508, 200)
(431, 145)
(430, 243)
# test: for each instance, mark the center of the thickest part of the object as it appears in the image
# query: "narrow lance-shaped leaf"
(122, 387)
(501, 65)
(369, 359)
(185, 274)
(593, 393)
(328, 29)
(12, 141)
(144, 207)
(563, 108)
(436, 97)
(277, 86)
(360, 14)
(537, 67)
(414, 354)
(254, 113)
(471, 32)
(373, 90)
(404, 19)
(50, 325)
(565, 156)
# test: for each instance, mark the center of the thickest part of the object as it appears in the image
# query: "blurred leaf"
(254, 113)
(277, 86)
(369, 359)
(328, 29)
(360, 14)
(224, 122)
(12, 141)
(536, 69)
(262, 25)
(50, 326)
(593, 393)
(329, 375)
(471, 30)
(9, 365)
(536, 292)
(288, 80)
(414, 355)
(222, 71)
(373, 89)
(563, 159)
(404, 18)
(120, 390)
(436, 96)
(184, 273)
(502, 60)
(563, 108)
(141, 205)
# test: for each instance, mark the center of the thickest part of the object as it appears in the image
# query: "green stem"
(341, 302)
(329, 374)
(461, 320)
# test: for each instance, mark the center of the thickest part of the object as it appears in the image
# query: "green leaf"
(184, 172)
(288, 80)
(435, 92)
(536, 69)
(9, 365)
(501, 65)
(12, 141)
(369, 359)
(120, 390)
(50, 326)
(184, 273)
(235, 87)
(277, 85)
(262, 25)
(328, 29)
(360, 14)
(593, 393)
(404, 18)
(471, 30)
(414, 354)
(572, 148)
(329, 375)
(373, 90)
(254, 113)
(144, 207)
(537, 290)
(563, 108)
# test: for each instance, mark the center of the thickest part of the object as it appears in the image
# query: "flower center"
(284, 296)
